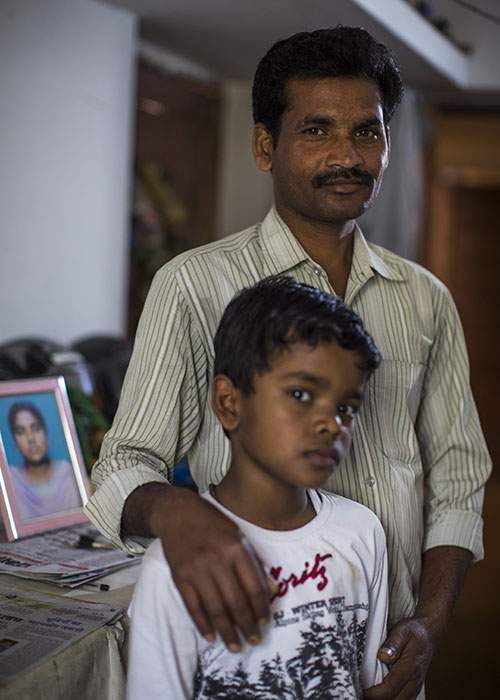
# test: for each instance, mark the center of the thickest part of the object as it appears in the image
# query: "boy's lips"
(323, 457)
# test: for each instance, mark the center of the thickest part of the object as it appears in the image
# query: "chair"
(108, 357)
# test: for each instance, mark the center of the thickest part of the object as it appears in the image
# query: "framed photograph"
(43, 480)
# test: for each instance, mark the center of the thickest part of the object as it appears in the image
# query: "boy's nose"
(330, 424)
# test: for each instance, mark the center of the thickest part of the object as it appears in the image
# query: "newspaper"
(58, 557)
(36, 625)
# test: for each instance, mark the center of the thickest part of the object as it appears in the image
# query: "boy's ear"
(225, 402)
(262, 147)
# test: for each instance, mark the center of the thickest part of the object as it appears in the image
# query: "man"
(322, 104)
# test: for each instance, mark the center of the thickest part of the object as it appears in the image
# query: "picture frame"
(43, 479)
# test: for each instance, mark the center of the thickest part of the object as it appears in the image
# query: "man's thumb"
(390, 651)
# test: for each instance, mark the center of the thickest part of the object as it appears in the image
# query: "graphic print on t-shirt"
(316, 573)
(324, 665)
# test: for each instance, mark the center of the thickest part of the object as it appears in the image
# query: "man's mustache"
(339, 173)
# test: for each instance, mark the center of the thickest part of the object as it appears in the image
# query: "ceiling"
(229, 36)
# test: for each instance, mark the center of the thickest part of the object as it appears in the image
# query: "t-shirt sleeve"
(163, 642)
(161, 407)
(372, 670)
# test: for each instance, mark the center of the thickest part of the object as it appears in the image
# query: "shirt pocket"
(390, 409)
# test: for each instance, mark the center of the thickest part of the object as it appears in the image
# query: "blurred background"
(125, 133)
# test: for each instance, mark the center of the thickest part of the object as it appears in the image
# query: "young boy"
(290, 367)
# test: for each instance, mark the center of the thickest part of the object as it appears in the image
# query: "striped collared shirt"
(418, 457)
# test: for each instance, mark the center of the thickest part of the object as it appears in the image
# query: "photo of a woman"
(43, 476)
(42, 485)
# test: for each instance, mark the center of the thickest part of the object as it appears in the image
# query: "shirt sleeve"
(163, 643)
(160, 411)
(454, 453)
(372, 670)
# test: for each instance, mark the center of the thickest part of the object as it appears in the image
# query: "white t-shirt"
(328, 618)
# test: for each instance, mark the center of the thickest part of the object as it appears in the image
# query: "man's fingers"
(387, 691)
(393, 646)
(408, 692)
(217, 574)
(388, 654)
(405, 677)
(196, 610)
(238, 606)
(216, 601)
(390, 689)
(254, 583)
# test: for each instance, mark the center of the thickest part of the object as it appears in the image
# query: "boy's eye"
(347, 412)
(300, 395)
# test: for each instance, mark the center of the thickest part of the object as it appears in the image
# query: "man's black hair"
(276, 313)
(325, 53)
(25, 406)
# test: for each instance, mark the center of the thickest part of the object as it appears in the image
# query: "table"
(92, 668)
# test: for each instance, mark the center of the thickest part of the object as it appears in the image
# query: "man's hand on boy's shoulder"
(408, 650)
(214, 568)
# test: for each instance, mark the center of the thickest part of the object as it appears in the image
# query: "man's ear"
(262, 147)
(388, 138)
(225, 402)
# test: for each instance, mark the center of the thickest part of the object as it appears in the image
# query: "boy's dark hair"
(276, 313)
(30, 408)
(325, 53)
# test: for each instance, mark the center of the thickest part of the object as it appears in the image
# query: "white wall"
(244, 192)
(66, 86)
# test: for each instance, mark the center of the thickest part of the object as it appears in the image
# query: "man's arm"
(214, 568)
(411, 644)
(456, 466)
(161, 409)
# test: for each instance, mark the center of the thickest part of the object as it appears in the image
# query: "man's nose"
(343, 152)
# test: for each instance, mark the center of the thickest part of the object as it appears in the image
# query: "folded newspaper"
(68, 557)
(34, 626)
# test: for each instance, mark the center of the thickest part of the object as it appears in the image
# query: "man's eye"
(301, 395)
(367, 134)
(314, 131)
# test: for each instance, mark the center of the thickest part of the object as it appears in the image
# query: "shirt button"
(317, 271)
(370, 481)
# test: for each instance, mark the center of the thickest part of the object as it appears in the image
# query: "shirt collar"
(366, 260)
(283, 252)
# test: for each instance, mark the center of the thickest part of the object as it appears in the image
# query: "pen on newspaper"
(88, 542)
(97, 586)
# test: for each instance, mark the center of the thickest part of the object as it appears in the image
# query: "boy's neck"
(264, 503)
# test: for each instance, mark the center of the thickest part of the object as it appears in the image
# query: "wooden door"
(177, 129)
(462, 247)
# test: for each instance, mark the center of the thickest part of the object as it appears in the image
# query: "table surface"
(93, 667)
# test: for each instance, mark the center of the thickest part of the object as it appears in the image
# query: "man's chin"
(340, 215)
(343, 209)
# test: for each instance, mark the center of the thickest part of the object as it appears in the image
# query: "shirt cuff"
(457, 528)
(104, 508)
